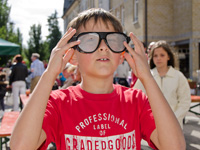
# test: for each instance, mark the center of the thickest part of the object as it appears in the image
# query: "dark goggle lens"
(90, 41)
(115, 41)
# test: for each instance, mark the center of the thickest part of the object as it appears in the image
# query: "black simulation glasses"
(90, 41)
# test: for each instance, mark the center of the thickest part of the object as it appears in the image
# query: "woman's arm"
(168, 134)
(28, 133)
(183, 97)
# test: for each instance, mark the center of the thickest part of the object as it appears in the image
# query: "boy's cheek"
(121, 58)
(74, 60)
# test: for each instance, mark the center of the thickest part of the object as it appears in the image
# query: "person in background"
(37, 69)
(76, 76)
(62, 79)
(3, 85)
(45, 64)
(14, 59)
(122, 72)
(8, 64)
(150, 48)
(68, 73)
(7, 69)
(172, 82)
(19, 72)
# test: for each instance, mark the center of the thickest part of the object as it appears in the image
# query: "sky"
(25, 13)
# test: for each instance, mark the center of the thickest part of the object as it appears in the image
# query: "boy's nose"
(103, 46)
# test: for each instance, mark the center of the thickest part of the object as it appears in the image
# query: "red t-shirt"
(133, 79)
(76, 119)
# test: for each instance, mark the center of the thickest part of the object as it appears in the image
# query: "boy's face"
(102, 62)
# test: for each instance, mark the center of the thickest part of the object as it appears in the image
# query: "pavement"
(191, 128)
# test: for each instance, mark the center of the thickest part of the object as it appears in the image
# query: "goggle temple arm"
(74, 38)
(128, 39)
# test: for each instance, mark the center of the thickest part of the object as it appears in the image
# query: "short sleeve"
(51, 121)
(147, 122)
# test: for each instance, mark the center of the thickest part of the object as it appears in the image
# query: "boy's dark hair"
(166, 47)
(19, 59)
(96, 14)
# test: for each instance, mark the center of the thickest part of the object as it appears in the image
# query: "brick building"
(176, 21)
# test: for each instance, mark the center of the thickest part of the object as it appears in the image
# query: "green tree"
(54, 31)
(7, 29)
(14, 36)
(4, 12)
(35, 43)
(6, 26)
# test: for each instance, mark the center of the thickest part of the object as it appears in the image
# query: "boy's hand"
(62, 53)
(137, 58)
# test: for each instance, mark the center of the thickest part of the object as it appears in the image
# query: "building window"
(135, 19)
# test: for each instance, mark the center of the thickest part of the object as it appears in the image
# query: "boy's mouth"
(103, 59)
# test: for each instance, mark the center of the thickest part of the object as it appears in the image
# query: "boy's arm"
(168, 134)
(28, 133)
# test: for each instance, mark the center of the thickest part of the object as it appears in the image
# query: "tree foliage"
(4, 12)
(35, 43)
(7, 31)
(6, 26)
(54, 31)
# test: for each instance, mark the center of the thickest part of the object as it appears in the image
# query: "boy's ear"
(73, 60)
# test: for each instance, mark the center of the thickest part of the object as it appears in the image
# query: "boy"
(96, 114)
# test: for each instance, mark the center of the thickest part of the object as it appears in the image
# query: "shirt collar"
(170, 72)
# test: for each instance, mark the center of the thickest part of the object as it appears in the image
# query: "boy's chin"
(105, 75)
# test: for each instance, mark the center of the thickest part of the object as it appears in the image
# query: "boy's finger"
(137, 43)
(130, 60)
(67, 32)
(70, 45)
(68, 55)
(61, 51)
(68, 35)
(131, 51)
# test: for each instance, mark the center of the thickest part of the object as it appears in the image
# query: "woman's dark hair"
(19, 59)
(166, 47)
(97, 14)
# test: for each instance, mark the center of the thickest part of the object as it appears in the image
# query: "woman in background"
(172, 82)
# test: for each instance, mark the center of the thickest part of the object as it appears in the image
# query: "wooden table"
(195, 99)
(7, 124)
(24, 99)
